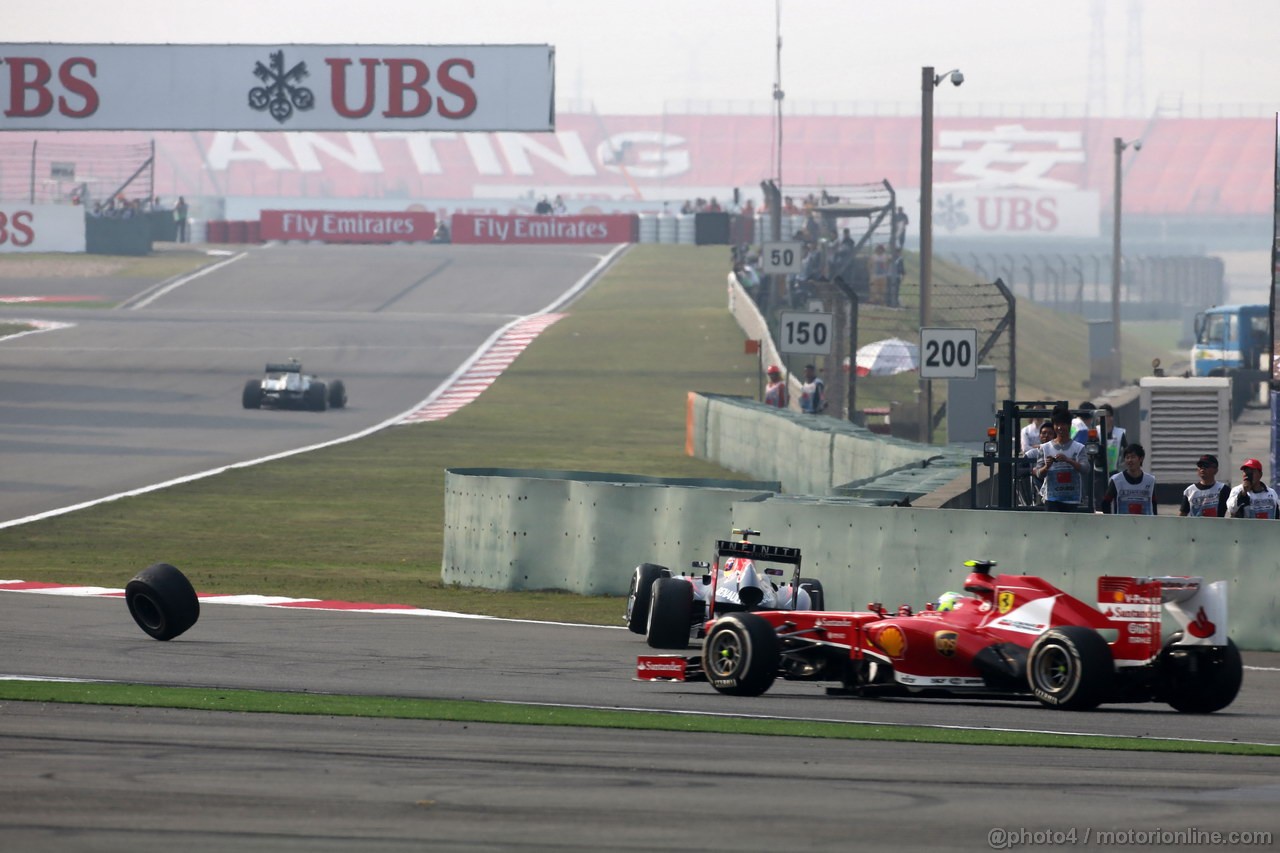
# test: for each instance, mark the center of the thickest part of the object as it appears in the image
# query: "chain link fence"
(41, 172)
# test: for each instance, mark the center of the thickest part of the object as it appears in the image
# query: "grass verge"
(258, 701)
(602, 390)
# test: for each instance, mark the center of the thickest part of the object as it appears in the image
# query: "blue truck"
(1232, 340)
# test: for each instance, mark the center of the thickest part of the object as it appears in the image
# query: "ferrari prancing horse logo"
(1004, 602)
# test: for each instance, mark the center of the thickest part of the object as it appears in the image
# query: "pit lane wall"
(579, 531)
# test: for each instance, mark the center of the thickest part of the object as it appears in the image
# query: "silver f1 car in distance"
(285, 386)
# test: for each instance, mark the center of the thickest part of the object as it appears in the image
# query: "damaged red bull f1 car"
(1007, 637)
(671, 609)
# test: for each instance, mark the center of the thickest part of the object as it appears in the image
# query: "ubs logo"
(280, 96)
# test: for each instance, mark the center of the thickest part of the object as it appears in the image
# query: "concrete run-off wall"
(808, 454)
(579, 531)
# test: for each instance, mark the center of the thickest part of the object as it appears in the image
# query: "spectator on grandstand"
(543, 207)
(1063, 465)
(558, 207)
(1084, 422)
(789, 207)
(813, 394)
(1206, 497)
(180, 220)
(880, 276)
(900, 228)
(897, 270)
(775, 393)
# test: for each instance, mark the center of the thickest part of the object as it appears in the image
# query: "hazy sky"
(640, 57)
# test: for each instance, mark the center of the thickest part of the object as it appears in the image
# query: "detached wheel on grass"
(162, 601)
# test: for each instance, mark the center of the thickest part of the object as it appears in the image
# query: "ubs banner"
(301, 87)
(481, 228)
(41, 228)
(358, 226)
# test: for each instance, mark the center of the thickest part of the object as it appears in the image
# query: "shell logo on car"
(891, 639)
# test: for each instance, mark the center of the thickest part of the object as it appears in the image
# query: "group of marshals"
(1132, 491)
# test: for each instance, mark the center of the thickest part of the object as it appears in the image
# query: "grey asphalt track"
(138, 395)
(157, 779)
(159, 387)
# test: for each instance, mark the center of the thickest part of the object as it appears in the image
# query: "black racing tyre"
(1070, 668)
(1199, 680)
(741, 654)
(252, 397)
(670, 614)
(640, 594)
(817, 601)
(162, 601)
(337, 395)
(316, 397)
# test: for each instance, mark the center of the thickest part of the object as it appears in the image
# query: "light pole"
(1117, 371)
(928, 80)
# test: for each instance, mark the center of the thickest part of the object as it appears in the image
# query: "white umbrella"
(888, 357)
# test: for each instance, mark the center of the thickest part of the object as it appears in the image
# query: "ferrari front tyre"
(1199, 679)
(337, 395)
(817, 601)
(670, 614)
(252, 396)
(741, 654)
(640, 594)
(316, 397)
(162, 601)
(1070, 668)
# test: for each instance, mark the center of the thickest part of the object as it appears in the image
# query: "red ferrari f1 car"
(1007, 637)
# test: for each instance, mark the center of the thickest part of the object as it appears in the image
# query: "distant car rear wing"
(758, 551)
(746, 550)
(284, 367)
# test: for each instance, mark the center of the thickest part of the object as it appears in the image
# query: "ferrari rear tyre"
(817, 601)
(337, 395)
(1070, 668)
(1199, 680)
(640, 594)
(741, 654)
(162, 601)
(670, 614)
(252, 396)
(316, 397)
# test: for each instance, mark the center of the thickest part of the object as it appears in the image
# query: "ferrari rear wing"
(1135, 606)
